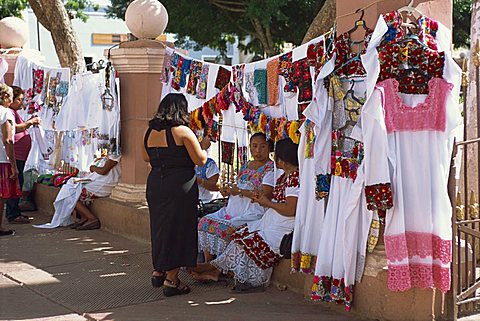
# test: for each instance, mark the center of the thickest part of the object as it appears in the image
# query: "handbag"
(211, 207)
(286, 245)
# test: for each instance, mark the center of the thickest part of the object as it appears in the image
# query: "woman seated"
(78, 194)
(215, 230)
(207, 176)
(254, 249)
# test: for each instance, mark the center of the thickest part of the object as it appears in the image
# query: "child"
(207, 176)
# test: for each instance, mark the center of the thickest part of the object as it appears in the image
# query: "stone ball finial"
(146, 19)
(13, 32)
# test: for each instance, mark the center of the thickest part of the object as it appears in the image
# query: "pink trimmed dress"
(408, 145)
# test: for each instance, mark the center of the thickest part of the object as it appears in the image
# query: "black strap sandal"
(175, 288)
(157, 280)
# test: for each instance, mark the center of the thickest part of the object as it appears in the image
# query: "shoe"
(95, 225)
(76, 224)
(157, 280)
(7, 233)
(171, 289)
(21, 219)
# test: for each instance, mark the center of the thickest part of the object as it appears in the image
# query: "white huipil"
(413, 156)
(310, 208)
(342, 246)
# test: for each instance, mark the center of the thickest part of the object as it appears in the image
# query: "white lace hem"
(211, 243)
(235, 259)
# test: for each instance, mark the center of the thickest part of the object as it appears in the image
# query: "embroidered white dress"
(408, 143)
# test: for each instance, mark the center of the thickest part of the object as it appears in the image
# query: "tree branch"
(262, 36)
(322, 22)
(239, 26)
(220, 5)
(39, 13)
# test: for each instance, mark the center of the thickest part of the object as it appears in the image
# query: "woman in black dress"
(172, 192)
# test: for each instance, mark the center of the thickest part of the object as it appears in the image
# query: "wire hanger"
(359, 22)
(411, 10)
(351, 92)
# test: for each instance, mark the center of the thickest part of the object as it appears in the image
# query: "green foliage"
(207, 24)
(10, 8)
(462, 16)
(76, 8)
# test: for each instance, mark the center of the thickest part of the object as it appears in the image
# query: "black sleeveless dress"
(172, 197)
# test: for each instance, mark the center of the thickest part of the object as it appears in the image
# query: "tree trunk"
(54, 17)
(322, 22)
(472, 107)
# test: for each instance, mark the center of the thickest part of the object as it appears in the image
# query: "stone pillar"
(139, 65)
(440, 10)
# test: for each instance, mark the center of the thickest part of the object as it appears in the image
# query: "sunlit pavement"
(70, 275)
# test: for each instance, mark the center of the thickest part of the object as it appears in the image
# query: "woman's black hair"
(287, 151)
(17, 91)
(173, 111)
(262, 135)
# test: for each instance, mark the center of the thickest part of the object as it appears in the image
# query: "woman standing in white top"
(9, 187)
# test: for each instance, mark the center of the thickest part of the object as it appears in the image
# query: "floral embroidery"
(379, 196)
(222, 229)
(429, 115)
(256, 248)
(38, 78)
(373, 235)
(282, 183)
(316, 56)
(242, 153)
(227, 152)
(250, 86)
(424, 276)
(322, 186)
(260, 82)
(254, 176)
(303, 262)
(177, 64)
(345, 164)
(202, 82)
(345, 64)
(195, 70)
(309, 138)
(167, 64)
(285, 69)
(87, 197)
(329, 289)
(223, 78)
(303, 80)
(272, 82)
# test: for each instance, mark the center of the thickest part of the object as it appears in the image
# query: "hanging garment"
(419, 245)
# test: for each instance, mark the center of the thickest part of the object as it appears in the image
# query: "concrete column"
(440, 10)
(139, 65)
(11, 59)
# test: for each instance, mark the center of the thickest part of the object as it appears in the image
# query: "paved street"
(70, 275)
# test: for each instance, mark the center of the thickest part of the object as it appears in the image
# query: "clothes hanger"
(351, 92)
(359, 22)
(410, 10)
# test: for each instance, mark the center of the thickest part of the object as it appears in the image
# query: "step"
(372, 299)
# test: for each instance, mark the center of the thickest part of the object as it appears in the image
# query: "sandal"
(94, 225)
(157, 280)
(20, 220)
(76, 224)
(175, 288)
(7, 233)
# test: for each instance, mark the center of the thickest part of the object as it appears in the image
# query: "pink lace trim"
(410, 244)
(429, 115)
(404, 277)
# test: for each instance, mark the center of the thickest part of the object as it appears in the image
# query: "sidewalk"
(69, 275)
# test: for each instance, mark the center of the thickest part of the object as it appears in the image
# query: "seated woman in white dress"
(254, 249)
(78, 194)
(215, 230)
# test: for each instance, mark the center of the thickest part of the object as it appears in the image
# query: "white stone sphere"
(146, 19)
(13, 32)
